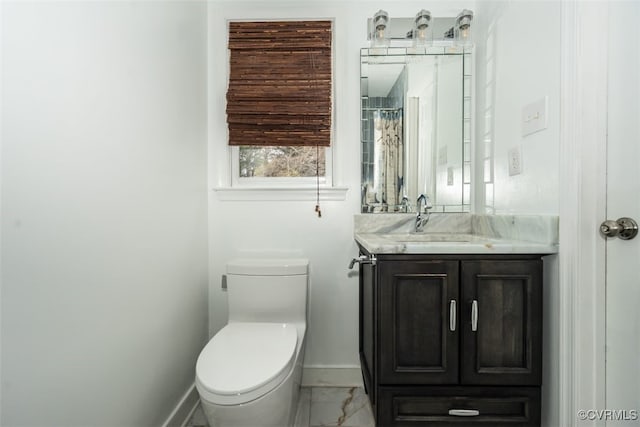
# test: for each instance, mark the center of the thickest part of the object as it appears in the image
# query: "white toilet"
(249, 373)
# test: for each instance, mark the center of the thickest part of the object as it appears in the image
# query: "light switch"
(450, 175)
(534, 117)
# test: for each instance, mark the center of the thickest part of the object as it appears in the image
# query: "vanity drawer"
(446, 406)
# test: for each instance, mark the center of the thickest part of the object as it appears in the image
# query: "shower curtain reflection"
(387, 189)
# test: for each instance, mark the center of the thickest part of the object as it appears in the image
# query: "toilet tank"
(267, 290)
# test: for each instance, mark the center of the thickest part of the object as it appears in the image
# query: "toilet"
(249, 373)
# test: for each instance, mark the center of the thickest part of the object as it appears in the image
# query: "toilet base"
(275, 409)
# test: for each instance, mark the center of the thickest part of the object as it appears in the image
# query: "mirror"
(415, 128)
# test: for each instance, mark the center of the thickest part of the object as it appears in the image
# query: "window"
(279, 101)
(293, 166)
(274, 161)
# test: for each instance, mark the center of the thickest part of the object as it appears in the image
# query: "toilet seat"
(245, 361)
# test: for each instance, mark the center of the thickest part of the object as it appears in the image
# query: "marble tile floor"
(319, 407)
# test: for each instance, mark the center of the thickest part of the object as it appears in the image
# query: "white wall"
(290, 226)
(104, 227)
(517, 62)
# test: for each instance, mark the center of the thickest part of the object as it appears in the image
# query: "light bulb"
(463, 26)
(421, 27)
(380, 33)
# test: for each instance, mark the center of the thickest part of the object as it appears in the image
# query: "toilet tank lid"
(268, 266)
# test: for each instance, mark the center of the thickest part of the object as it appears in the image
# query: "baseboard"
(331, 376)
(184, 409)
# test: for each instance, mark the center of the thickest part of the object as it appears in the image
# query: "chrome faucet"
(421, 219)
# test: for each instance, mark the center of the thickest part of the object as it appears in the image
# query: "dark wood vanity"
(452, 339)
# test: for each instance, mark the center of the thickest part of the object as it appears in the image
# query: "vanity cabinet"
(452, 339)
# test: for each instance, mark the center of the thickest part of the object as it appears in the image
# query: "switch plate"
(450, 175)
(534, 117)
(515, 161)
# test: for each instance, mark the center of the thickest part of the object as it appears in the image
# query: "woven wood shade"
(279, 83)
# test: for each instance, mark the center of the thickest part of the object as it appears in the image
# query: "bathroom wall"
(517, 63)
(287, 226)
(104, 227)
(104, 186)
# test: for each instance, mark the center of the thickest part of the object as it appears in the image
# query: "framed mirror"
(415, 128)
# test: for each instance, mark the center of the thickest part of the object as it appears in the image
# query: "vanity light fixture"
(421, 28)
(380, 30)
(463, 27)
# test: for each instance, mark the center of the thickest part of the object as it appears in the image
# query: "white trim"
(568, 230)
(190, 413)
(582, 207)
(280, 194)
(322, 376)
(330, 156)
(183, 410)
(1, 210)
(477, 199)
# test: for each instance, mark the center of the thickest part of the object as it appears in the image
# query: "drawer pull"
(464, 412)
(452, 315)
(474, 315)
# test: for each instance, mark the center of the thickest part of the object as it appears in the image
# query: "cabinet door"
(501, 322)
(367, 327)
(418, 324)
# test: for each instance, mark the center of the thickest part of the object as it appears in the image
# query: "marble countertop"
(458, 234)
(464, 244)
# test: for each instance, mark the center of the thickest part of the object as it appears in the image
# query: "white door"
(623, 200)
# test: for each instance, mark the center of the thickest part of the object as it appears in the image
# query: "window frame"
(325, 182)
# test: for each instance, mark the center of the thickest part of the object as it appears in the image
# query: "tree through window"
(281, 161)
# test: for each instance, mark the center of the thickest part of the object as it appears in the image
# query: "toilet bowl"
(249, 373)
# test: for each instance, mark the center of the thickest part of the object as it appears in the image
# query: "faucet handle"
(427, 203)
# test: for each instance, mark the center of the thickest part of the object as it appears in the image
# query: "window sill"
(280, 194)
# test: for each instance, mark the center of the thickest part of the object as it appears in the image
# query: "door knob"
(624, 228)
